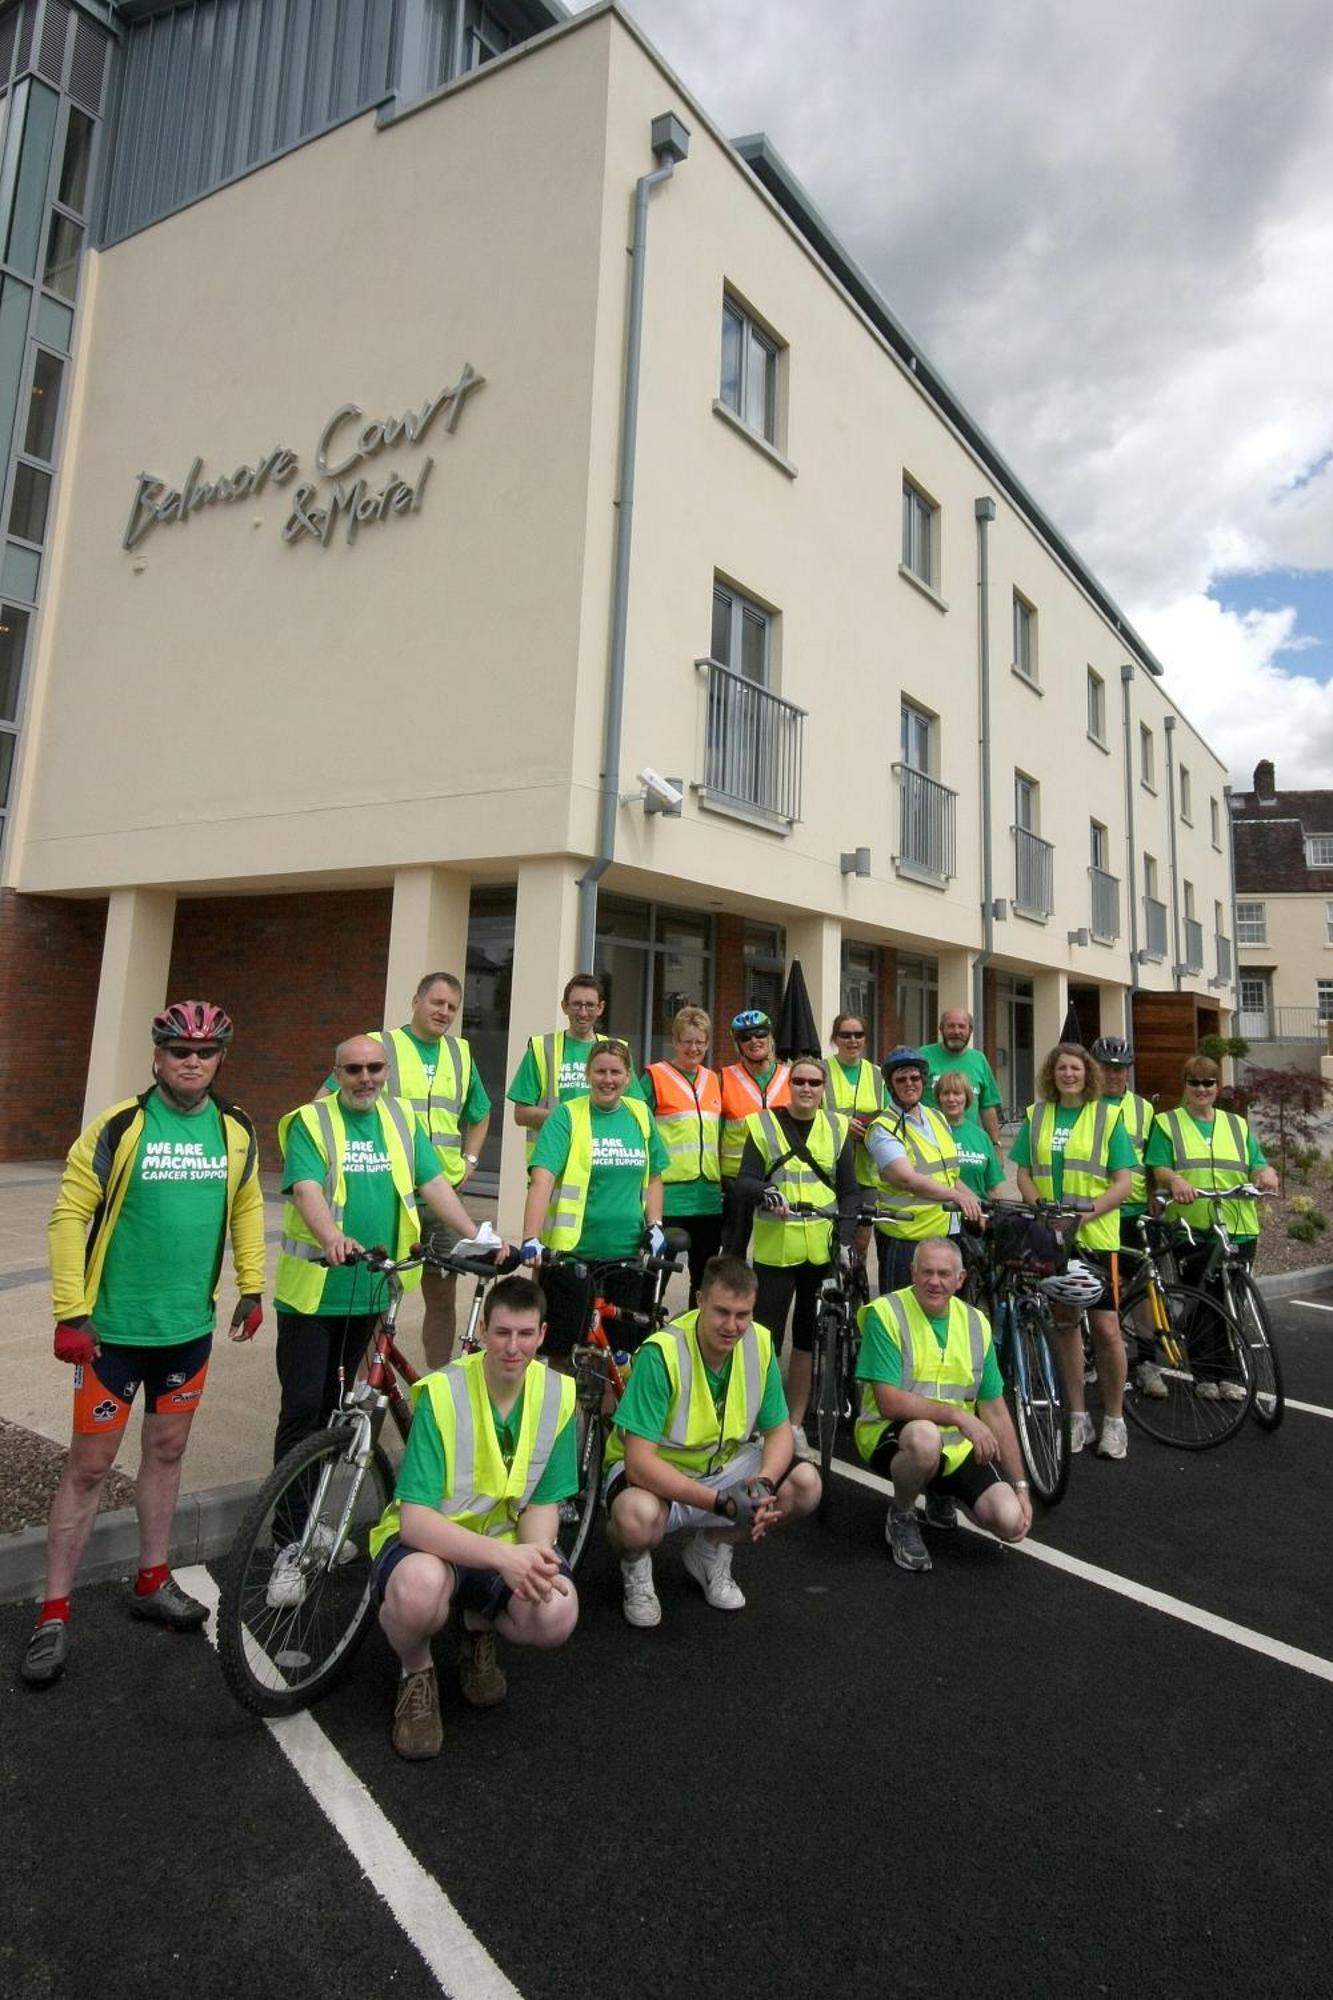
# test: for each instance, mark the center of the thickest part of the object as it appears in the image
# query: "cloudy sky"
(1111, 229)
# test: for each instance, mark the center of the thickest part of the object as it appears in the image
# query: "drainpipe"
(1131, 850)
(1231, 898)
(670, 143)
(984, 510)
(1170, 725)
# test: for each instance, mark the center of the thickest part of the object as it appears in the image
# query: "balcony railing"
(1034, 874)
(926, 825)
(1105, 905)
(752, 746)
(1154, 928)
(1284, 1024)
(1223, 946)
(1193, 960)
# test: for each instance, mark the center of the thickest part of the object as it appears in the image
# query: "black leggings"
(705, 1234)
(778, 1284)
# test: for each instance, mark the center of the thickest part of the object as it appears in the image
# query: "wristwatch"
(471, 1159)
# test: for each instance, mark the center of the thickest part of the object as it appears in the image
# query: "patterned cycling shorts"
(172, 1379)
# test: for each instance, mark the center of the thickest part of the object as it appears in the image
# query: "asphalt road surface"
(1100, 1767)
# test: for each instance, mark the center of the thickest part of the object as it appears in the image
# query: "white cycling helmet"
(1079, 1285)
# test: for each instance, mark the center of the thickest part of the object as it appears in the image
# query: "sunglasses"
(363, 1069)
(807, 1083)
(1202, 1082)
(851, 1034)
(205, 1051)
(753, 1035)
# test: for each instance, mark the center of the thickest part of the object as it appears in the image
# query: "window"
(1147, 763)
(1319, 850)
(1025, 638)
(1215, 823)
(1097, 847)
(1186, 796)
(27, 508)
(1328, 921)
(749, 372)
(918, 739)
(917, 998)
(1026, 803)
(1323, 989)
(1188, 888)
(13, 635)
(860, 989)
(1254, 997)
(60, 273)
(1219, 920)
(920, 535)
(764, 955)
(1251, 923)
(1150, 877)
(74, 161)
(43, 406)
(1096, 707)
(741, 633)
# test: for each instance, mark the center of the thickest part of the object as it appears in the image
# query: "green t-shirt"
(972, 1064)
(371, 1214)
(477, 1101)
(157, 1282)
(422, 1475)
(571, 1079)
(613, 1219)
(1120, 1151)
(978, 1162)
(881, 1358)
(696, 1197)
(646, 1403)
(1159, 1153)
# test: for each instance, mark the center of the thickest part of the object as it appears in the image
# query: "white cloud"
(1112, 230)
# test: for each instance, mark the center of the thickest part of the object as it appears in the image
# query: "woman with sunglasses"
(757, 1082)
(798, 1154)
(1192, 1150)
(855, 1088)
(685, 1097)
(595, 1195)
(1073, 1144)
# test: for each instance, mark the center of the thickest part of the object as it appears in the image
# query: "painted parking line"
(1310, 1409)
(1311, 1305)
(455, 1955)
(1139, 1593)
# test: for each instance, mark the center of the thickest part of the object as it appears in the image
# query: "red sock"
(54, 1611)
(149, 1580)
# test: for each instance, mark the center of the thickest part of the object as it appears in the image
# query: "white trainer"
(709, 1563)
(1114, 1439)
(642, 1606)
(1082, 1430)
(290, 1577)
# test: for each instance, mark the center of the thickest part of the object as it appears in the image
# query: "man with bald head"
(356, 1167)
(951, 1051)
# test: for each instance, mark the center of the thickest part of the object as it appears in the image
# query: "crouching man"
(684, 1454)
(472, 1526)
(933, 1417)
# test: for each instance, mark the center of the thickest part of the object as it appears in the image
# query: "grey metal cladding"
(9, 28)
(212, 88)
(87, 65)
(26, 20)
(51, 46)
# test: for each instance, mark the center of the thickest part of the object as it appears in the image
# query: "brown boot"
(480, 1675)
(417, 1729)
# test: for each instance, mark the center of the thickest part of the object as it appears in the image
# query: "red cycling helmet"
(192, 1021)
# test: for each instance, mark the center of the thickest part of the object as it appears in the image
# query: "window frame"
(1099, 847)
(1258, 925)
(1186, 795)
(1096, 708)
(1023, 784)
(1026, 660)
(918, 507)
(1215, 822)
(754, 333)
(1147, 759)
(912, 712)
(1323, 1007)
(1311, 840)
(742, 606)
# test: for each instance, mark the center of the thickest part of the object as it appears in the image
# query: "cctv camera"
(659, 788)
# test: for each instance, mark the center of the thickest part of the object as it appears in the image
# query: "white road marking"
(1311, 1409)
(1311, 1305)
(455, 1955)
(1140, 1593)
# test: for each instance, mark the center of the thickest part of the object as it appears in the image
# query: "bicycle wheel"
(287, 1635)
(826, 1391)
(579, 1511)
(1196, 1344)
(1041, 1416)
(1247, 1303)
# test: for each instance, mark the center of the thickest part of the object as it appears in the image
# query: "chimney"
(1265, 787)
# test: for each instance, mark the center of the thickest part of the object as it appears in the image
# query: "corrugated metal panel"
(214, 87)
(87, 66)
(25, 37)
(9, 28)
(51, 47)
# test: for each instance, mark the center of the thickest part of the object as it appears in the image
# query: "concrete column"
(428, 933)
(817, 941)
(955, 976)
(1050, 998)
(545, 935)
(136, 962)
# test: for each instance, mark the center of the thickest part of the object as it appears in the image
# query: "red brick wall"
(296, 974)
(50, 961)
(728, 984)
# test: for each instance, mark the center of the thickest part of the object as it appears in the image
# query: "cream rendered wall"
(221, 707)
(1197, 860)
(1298, 948)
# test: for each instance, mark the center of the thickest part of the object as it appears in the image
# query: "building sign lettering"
(321, 504)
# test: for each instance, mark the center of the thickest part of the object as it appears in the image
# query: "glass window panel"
(759, 396)
(619, 918)
(31, 498)
(15, 300)
(733, 334)
(55, 323)
(62, 256)
(43, 406)
(74, 162)
(754, 645)
(19, 572)
(13, 637)
(25, 224)
(721, 641)
(7, 746)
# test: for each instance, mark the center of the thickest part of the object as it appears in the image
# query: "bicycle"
(1193, 1337)
(1244, 1302)
(1023, 1326)
(844, 1293)
(283, 1645)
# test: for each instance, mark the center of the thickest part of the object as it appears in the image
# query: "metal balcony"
(1034, 874)
(1104, 915)
(752, 746)
(927, 813)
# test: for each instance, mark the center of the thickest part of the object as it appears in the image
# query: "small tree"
(1284, 1104)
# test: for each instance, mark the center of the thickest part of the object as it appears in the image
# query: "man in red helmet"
(149, 1195)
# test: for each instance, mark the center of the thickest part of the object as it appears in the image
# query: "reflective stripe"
(1096, 1160)
(965, 1394)
(678, 1430)
(291, 1246)
(333, 1157)
(545, 1438)
(398, 1119)
(548, 1043)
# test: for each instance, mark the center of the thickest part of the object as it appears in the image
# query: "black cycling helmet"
(1113, 1049)
(903, 1058)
